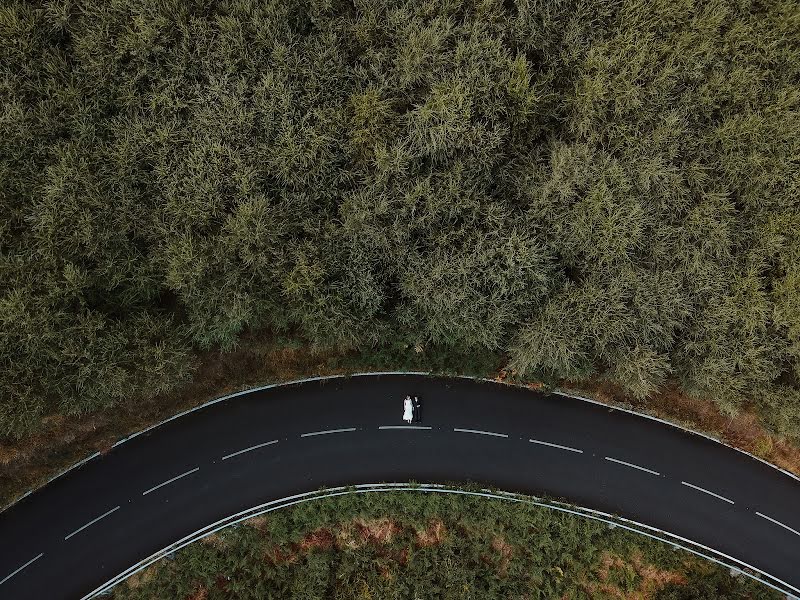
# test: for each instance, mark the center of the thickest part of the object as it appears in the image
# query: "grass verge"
(416, 545)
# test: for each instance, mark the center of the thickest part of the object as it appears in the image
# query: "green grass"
(415, 545)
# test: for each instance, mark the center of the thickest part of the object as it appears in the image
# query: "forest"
(409, 545)
(589, 188)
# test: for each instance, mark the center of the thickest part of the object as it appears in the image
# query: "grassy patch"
(415, 545)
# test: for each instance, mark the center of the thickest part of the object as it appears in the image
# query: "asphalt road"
(85, 527)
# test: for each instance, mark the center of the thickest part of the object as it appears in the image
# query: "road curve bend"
(96, 521)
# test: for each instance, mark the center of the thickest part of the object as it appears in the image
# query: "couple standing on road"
(412, 410)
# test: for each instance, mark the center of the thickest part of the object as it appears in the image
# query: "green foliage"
(416, 545)
(589, 187)
(705, 583)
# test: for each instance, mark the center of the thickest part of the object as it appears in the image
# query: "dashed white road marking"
(632, 466)
(552, 445)
(256, 447)
(479, 432)
(327, 431)
(152, 489)
(92, 522)
(763, 516)
(403, 427)
(705, 491)
(7, 577)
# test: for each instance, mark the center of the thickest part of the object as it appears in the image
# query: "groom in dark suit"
(417, 410)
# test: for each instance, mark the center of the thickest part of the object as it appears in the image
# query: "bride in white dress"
(408, 410)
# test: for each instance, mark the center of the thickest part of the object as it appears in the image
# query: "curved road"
(82, 529)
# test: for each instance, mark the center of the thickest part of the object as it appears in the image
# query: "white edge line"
(741, 563)
(53, 478)
(671, 424)
(256, 447)
(379, 373)
(7, 577)
(327, 431)
(259, 388)
(559, 446)
(480, 432)
(633, 466)
(403, 427)
(153, 489)
(385, 487)
(693, 551)
(92, 522)
(762, 515)
(705, 491)
(199, 407)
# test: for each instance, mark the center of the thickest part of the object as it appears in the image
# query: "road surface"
(87, 526)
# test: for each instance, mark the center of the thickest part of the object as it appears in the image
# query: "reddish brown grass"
(742, 431)
(319, 539)
(278, 556)
(377, 531)
(506, 552)
(259, 523)
(221, 583)
(200, 593)
(651, 578)
(142, 577)
(351, 534)
(215, 541)
(432, 535)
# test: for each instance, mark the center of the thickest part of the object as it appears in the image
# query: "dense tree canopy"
(592, 186)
